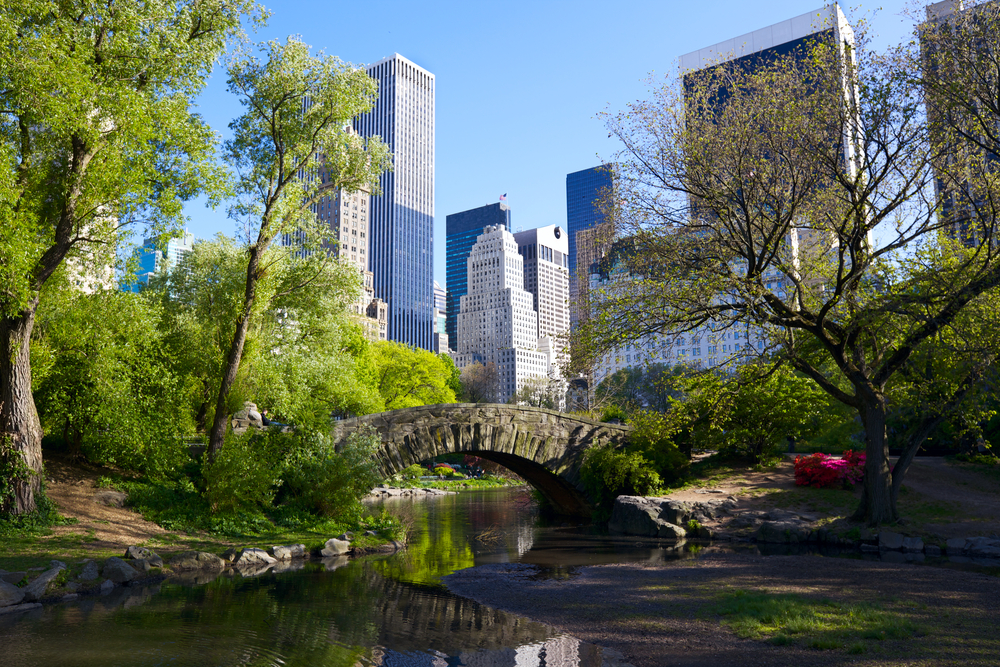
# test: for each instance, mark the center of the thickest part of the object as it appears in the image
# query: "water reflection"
(388, 610)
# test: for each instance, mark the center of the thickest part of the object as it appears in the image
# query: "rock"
(13, 577)
(932, 551)
(983, 547)
(90, 571)
(68, 597)
(72, 587)
(197, 560)
(347, 537)
(230, 554)
(634, 515)
(913, 545)
(289, 551)
(371, 533)
(783, 532)
(119, 571)
(10, 594)
(107, 585)
(154, 560)
(890, 541)
(675, 512)
(869, 548)
(135, 553)
(141, 565)
(335, 547)
(704, 533)
(253, 558)
(20, 607)
(57, 563)
(955, 545)
(35, 590)
(110, 497)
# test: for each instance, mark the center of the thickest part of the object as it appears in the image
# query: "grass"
(460, 484)
(821, 624)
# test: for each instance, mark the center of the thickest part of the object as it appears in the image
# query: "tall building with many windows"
(497, 321)
(546, 275)
(585, 190)
(461, 231)
(402, 217)
(151, 260)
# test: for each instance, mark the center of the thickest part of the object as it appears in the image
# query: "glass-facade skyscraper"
(402, 217)
(584, 190)
(461, 230)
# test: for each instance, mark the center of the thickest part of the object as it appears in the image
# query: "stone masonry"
(545, 447)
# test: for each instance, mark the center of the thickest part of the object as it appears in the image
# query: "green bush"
(652, 436)
(246, 472)
(608, 472)
(327, 482)
(415, 471)
(613, 413)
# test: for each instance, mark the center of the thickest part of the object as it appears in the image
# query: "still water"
(381, 610)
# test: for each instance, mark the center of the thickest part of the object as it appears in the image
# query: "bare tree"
(481, 383)
(798, 196)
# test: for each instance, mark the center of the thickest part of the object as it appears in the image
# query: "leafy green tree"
(97, 134)
(407, 377)
(713, 192)
(108, 385)
(291, 147)
(304, 358)
(455, 375)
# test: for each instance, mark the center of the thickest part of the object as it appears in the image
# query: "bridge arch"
(545, 447)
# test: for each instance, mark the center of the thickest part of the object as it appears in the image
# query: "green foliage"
(609, 472)
(637, 387)
(109, 386)
(613, 413)
(653, 436)
(247, 472)
(326, 482)
(408, 377)
(414, 471)
(454, 380)
(13, 472)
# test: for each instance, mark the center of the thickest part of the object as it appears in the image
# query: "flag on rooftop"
(503, 197)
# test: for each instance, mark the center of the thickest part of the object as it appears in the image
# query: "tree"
(106, 382)
(454, 375)
(538, 392)
(481, 383)
(291, 147)
(97, 134)
(723, 174)
(407, 377)
(304, 359)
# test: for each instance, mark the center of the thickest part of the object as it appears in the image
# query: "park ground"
(727, 607)
(720, 608)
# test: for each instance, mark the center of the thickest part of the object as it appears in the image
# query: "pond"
(381, 610)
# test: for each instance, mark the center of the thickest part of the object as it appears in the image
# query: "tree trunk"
(18, 417)
(876, 500)
(917, 437)
(219, 423)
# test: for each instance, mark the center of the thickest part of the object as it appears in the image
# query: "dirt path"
(101, 526)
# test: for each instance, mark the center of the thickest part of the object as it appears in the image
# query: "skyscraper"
(546, 275)
(497, 322)
(461, 230)
(584, 191)
(402, 217)
(152, 260)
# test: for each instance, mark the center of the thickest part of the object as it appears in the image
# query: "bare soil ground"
(101, 527)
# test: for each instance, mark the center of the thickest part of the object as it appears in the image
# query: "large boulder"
(888, 540)
(636, 515)
(118, 571)
(110, 497)
(983, 547)
(335, 547)
(35, 590)
(783, 532)
(10, 594)
(90, 571)
(197, 560)
(253, 558)
(13, 577)
(289, 551)
(135, 553)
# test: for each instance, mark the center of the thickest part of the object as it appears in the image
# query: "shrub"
(414, 471)
(327, 482)
(609, 472)
(821, 471)
(613, 413)
(246, 472)
(652, 436)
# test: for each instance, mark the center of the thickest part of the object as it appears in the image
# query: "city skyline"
(503, 124)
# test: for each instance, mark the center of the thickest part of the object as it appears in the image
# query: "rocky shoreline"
(30, 589)
(676, 521)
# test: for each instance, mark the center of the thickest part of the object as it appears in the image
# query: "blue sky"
(519, 84)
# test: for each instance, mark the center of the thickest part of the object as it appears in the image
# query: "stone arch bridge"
(545, 447)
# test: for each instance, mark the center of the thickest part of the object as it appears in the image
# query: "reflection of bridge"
(544, 447)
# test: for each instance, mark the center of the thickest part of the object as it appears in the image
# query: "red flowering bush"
(822, 471)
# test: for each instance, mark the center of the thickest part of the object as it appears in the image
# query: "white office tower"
(402, 217)
(546, 275)
(497, 321)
